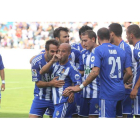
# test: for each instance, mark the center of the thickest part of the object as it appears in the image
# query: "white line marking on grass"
(17, 88)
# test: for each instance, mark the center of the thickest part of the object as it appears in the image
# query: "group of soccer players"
(85, 79)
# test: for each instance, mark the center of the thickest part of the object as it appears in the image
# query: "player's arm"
(134, 92)
(3, 79)
(93, 74)
(128, 74)
(52, 83)
(46, 67)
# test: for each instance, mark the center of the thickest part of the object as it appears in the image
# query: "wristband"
(81, 86)
(3, 81)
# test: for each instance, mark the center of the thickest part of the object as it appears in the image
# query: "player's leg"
(77, 105)
(136, 107)
(119, 109)
(94, 108)
(84, 108)
(38, 108)
(63, 110)
(107, 108)
(127, 107)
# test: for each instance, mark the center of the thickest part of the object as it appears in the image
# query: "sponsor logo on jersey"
(34, 73)
(77, 76)
(57, 113)
(92, 59)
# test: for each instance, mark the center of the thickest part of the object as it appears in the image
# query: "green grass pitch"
(18, 95)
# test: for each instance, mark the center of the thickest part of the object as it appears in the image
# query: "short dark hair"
(134, 29)
(56, 32)
(116, 28)
(84, 28)
(90, 34)
(51, 41)
(103, 33)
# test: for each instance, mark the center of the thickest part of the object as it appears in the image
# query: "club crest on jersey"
(77, 76)
(96, 106)
(57, 113)
(63, 71)
(34, 73)
(92, 59)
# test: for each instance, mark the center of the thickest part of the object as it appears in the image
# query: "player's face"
(52, 50)
(129, 38)
(87, 42)
(64, 53)
(64, 37)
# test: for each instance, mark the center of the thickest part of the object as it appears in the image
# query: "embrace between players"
(87, 80)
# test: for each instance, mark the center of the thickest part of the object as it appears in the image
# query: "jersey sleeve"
(1, 63)
(81, 65)
(136, 54)
(36, 76)
(96, 58)
(127, 61)
(75, 76)
(129, 53)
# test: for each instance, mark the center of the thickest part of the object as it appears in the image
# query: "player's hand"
(130, 79)
(129, 86)
(57, 83)
(55, 58)
(2, 87)
(71, 97)
(133, 93)
(71, 89)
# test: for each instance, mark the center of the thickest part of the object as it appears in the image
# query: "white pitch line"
(16, 88)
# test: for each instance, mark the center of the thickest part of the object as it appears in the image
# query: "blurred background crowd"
(33, 35)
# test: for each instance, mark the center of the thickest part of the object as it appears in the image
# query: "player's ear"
(93, 39)
(112, 34)
(57, 39)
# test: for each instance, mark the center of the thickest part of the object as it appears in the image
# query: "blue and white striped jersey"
(136, 64)
(77, 46)
(69, 74)
(91, 90)
(128, 51)
(1, 63)
(37, 63)
(74, 56)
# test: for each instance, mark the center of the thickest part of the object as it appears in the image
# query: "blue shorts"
(63, 110)
(39, 107)
(0, 95)
(77, 98)
(127, 105)
(136, 106)
(119, 108)
(107, 108)
(89, 106)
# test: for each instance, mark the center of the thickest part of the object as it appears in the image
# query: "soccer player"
(43, 83)
(89, 105)
(109, 61)
(2, 74)
(65, 70)
(80, 46)
(133, 37)
(115, 30)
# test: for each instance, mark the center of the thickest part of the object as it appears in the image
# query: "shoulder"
(37, 59)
